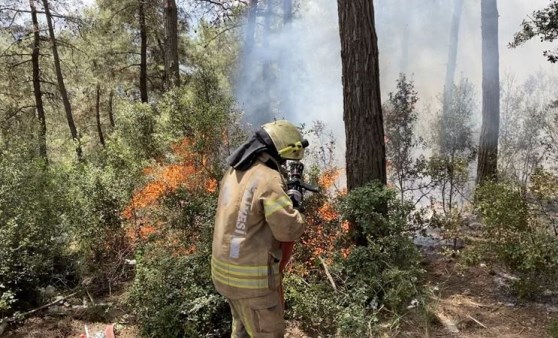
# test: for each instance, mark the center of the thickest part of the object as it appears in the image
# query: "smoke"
(305, 82)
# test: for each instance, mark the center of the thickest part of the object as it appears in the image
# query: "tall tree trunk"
(364, 125)
(143, 51)
(60, 79)
(488, 145)
(452, 53)
(171, 58)
(451, 66)
(287, 11)
(284, 60)
(37, 82)
(98, 114)
(250, 37)
(110, 108)
(265, 113)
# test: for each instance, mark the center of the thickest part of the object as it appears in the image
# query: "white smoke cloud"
(307, 74)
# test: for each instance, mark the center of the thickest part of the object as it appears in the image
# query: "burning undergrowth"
(172, 185)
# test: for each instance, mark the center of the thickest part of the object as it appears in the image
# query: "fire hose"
(295, 189)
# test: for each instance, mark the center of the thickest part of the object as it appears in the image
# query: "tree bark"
(60, 79)
(362, 113)
(250, 38)
(488, 145)
(110, 108)
(98, 114)
(365, 154)
(171, 59)
(452, 54)
(143, 52)
(37, 82)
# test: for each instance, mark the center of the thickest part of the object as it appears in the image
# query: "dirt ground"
(467, 302)
(475, 302)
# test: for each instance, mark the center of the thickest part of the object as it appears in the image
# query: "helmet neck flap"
(245, 155)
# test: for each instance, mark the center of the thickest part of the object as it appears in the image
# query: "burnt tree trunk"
(60, 80)
(488, 145)
(452, 59)
(143, 51)
(98, 114)
(110, 108)
(37, 82)
(171, 45)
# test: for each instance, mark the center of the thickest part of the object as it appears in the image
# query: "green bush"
(172, 294)
(383, 275)
(519, 236)
(99, 237)
(32, 240)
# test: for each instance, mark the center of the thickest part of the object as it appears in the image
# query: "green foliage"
(553, 328)
(173, 295)
(313, 305)
(135, 129)
(384, 275)
(203, 113)
(32, 240)
(527, 127)
(366, 206)
(98, 197)
(400, 118)
(542, 23)
(453, 133)
(519, 237)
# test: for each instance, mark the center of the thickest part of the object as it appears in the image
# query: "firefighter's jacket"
(254, 215)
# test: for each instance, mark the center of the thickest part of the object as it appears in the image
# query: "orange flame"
(187, 173)
(328, 213)
(328, 177)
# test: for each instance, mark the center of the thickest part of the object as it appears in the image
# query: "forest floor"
(477, 302)
(469, 302)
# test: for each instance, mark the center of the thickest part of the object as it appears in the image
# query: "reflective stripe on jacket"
(254, 215)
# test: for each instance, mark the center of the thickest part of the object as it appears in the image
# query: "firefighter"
(254, 216)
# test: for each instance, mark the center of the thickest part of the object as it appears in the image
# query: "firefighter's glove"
(297, 199)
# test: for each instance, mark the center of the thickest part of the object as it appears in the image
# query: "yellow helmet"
(287, 139)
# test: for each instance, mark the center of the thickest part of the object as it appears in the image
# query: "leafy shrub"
(32, 240)
(101, 244)
(382, 275)
(173, 295)
(519, 236)
(203, 113)
(135, 128)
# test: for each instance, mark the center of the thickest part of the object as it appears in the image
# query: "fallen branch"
(5, 322)
(54, 302)
(476, 321)
(328, 274)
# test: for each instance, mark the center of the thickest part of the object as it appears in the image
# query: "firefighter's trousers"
(260, 317)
